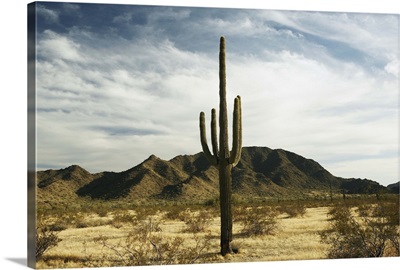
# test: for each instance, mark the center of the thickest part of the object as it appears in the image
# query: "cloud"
(123, 18)
(101, 104)
(49, 15)
(107, 100)
(393, 67)
(71, 8)
(321, 111)
(167, 14)
(374, 35)
(55, 46)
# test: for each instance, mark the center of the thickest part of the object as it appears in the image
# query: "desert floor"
(295, 238)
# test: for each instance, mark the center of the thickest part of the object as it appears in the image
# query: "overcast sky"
(117, 83)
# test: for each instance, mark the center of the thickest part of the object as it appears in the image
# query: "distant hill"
(261, 172)
(394, 188)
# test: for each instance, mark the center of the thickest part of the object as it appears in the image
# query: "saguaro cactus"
(222, 158)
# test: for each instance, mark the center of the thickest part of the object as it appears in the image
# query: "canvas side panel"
(31, 135)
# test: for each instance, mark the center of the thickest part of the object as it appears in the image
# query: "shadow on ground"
(20, 261)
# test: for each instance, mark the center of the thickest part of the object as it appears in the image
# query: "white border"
(13, 121)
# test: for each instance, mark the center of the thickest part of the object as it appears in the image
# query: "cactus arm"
(240, 130)
(237, 133)
(214, 139)
(203, 138)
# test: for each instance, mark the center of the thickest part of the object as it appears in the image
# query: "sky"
(117, 83)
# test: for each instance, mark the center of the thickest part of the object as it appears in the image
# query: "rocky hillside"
(262, 172)
(394, 188)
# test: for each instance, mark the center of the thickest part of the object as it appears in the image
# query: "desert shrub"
(57, 226)
(58, 223)
(293, 210)
(364, 210)
(102, 212)
(175, 213)
(87, 223)
(197, 221)
(372, 234)
(390, 210)
(388, 214)
(82, 224)
(71, 220)
(257, 220)
(142, 213)
(146, 245)
(122, 217)
(213, 202)
(45, 239)
(62, 222)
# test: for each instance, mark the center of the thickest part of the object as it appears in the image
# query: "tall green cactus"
(222, 158)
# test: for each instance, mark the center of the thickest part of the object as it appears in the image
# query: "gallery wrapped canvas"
(171, 135)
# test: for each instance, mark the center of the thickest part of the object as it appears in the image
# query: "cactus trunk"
(224, 159)
(225, 191)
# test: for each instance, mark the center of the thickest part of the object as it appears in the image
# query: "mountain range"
(262, 172)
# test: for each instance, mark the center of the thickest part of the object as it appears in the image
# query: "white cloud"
(123, 18)
(107, 104)
(50, 16)
(168, 13)
(71, 8)
(324, 112)
(54, 46)
(150, 102)
(376, 35)
(393, 68)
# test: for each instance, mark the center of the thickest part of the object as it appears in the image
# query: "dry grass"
(296, 238)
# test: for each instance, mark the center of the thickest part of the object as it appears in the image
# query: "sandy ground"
(296, 238)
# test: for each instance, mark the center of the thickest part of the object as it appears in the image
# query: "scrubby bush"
(45, 239)
(197, 221)
(71, 220)
(57, 226)
(294, 209)
(102, 212)
(362, 232)
(213, 202)
(175, 213)
(122, 217)
(146, 245)
(257, 220)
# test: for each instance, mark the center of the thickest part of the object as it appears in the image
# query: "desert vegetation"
(360, 226)
(365, 230)
(46, 238)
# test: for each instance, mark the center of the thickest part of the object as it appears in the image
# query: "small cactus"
(221, 157)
